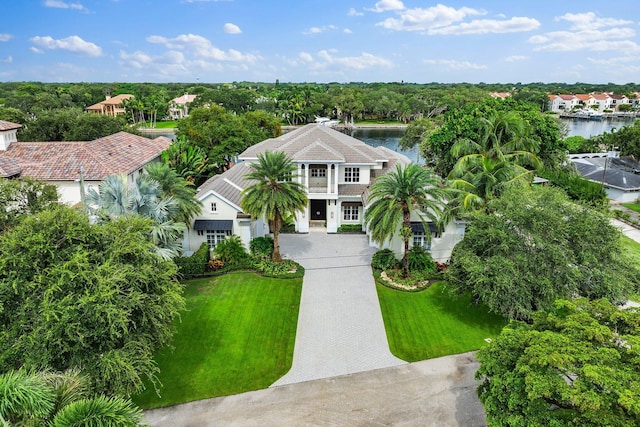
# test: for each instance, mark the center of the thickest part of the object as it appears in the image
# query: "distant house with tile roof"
(179, 107)
(500, 95)
(60, 163)
(111, 106)
(336, 171)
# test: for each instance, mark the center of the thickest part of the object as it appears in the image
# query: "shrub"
(421, 260)
(384, 260)
(575, 186)
(195, 264)
(215, 265)
(261, 247)
(287, 268)
(350, 228)
(230, 251)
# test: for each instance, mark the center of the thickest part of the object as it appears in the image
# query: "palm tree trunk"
(405, 235)
(277, 223)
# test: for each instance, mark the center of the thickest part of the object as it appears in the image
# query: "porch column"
(328, 178)
(306, 176)
(335, 183)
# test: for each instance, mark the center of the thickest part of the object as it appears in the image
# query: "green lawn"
(632, 206)
(169, 124)
(237, 335)
(431, 323)
(632, 248)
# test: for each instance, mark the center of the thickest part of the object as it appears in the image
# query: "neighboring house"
(501, 95)
(336, 171)
(63, 163)
(618, 99)
(586, 101)
(603, 101)
(179, 107)
(620, 175)
(110, 106)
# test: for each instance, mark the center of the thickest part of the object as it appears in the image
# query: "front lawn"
(632, 248)
(431, 323)
(169, 124)
(632, 206)
(236, 335)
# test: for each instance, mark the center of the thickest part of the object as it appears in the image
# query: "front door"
(318, 210)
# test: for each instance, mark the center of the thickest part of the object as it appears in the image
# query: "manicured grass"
(632, 248)
(236, 335)
(170, 124)
(432, 323)
(632, 206)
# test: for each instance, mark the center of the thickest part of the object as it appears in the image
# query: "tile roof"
(9, 168)
(228, 184)
(184, 99)
(61, 161)
(116, 100)
(4, 125)
(317, 143)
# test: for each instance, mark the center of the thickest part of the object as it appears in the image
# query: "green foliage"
(421, 260)
(580, 144)
(22, 197)
(396, 195)
(538, 246)
(25, 396)
(576, 365)
(261, 247)
(75, 294)
(384, 259)
(285, 269)
(178, 188)
(194, 265)
(231, 251)
(576, 187)
(99, 411)
(350, 228)
(274, 194)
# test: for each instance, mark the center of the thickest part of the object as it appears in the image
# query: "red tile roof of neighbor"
(4, 125)
(9, 167)
(61, 161)
(116, 100)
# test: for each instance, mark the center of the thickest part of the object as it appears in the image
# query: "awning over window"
(213, 224)
(417, 227)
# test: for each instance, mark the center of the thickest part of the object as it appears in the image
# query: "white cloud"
(62, 5)
(486, 26)
(384, 5)
(5, 37)
(614, 61)
(140, 60)
(353, 12)
(318, 30)
(8, 59)
(347, 31)
(587, 32)
(589, 20)
(363, 61)
(515, 58)
(305, 56)
(73, 44)
(230, 28)
(202, 48)
(452, 64)
(36, 50)
(419, 19)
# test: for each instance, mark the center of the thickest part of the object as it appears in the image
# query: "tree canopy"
(93, 297)
(576, 365)
(537, 246)
(22, 197)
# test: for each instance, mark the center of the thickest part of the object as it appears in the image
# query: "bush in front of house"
(194, 265)
(421, 260)
(261, 247)
(286, 269)
(231, 252)
(350, 228)
(384, 260)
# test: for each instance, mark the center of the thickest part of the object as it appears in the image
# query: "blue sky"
(492, 41)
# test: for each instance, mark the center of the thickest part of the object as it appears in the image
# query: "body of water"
(589, 128)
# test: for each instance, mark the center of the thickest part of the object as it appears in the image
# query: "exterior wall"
(7, 137)
(365, 174)
(622, 196)
(69, 191)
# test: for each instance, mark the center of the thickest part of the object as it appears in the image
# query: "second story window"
(214, 207)
(318, 173)
(351, 174)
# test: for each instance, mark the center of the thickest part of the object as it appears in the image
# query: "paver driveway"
(340, 328)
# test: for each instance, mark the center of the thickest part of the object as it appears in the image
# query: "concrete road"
(436, 392)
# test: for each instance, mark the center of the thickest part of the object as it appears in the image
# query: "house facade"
(335, 170)
(179, 107)
(110, 106)
(618, 176)
(70, 164)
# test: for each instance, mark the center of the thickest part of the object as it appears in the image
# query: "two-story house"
(111, 106)
(179, 107)
(335, 169)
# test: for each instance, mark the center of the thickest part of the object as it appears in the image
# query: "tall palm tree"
(502, 155)
(396, 195)
(275, 193)
(173, 185)
(117, 197)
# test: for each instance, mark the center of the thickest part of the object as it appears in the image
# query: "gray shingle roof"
(619, 174)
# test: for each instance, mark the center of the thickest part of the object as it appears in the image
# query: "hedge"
(194, 265)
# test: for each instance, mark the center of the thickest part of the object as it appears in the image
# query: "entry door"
(318, 210)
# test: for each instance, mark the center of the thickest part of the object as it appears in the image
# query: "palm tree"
(60, 399)
(498, 158)
(117, 197)
(275, 193)
(396, 195)
(177, 187)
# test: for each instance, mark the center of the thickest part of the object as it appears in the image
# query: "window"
(420, 239)
(350, 212)
(351, 174)
(214, 207)
(216, 236)
(318, 173)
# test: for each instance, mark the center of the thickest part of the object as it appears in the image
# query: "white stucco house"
(179, 107)
(335, 169)
(62, 163)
